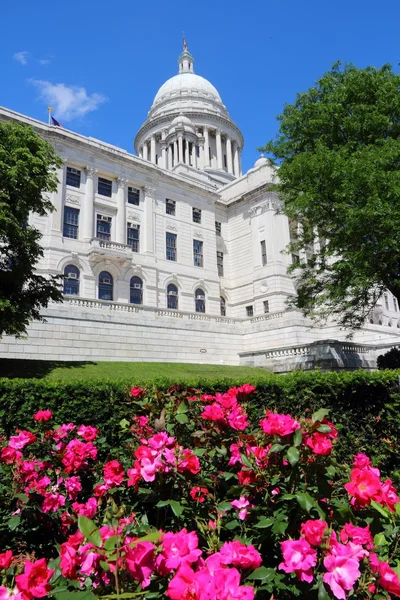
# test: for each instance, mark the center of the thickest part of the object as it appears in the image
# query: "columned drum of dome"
(188, 127)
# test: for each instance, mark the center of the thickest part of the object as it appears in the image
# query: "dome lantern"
(185, 60)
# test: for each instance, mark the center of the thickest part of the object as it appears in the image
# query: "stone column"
(148, 233)
(187, 152)
(180, 145)
(145, 151)
(236, 159)
(206, 148)
(201, 153)
(219, 149)
(176, 159)
(194, 156)
(229, 154)
(153, 149)
(120, 234)
(163, 156)
(58, 201)
(88, 206)
(141, 152)
(169, 158)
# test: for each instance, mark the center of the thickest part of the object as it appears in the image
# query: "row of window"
(106, 290)
(104, 186)
(395, 304)
(250, 309)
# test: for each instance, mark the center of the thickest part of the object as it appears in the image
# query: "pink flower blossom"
(242, 505)
(88, 432)
(188, 585)
(388, 579)
(239, 555)
(178, 548)
(5, 559)
(246, 388)
(361, 461)
(198, 494)
(87, 509)
(34, 581)
(52, 502)
(63, 431)
(319, 443)
(9, 455)
(214, 412)
(113, 473)
(140, 561)
(77, 454)
(137, 392)
(363, 486)
(357, 535)
(387, 495)
(43, 415)
(69, 560)
(342, 565)
(299, 558)
(21, 440)
(6, 594)
(314, 531)
(276, 424)
(73, 486)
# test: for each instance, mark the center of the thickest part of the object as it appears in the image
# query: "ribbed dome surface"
(184, 84)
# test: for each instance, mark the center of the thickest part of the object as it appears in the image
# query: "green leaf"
(264, 522)
(87, 595)
(13, 522)
(199, 451)
(104, 565)
(324, 429)
(111, 543)
(153, 536)
(90, 530)
(320, 414)
(298, 437)
(380, 509)
(262, 573)
(232, 524)
(177, 508)
(162, 503)
(322, 593)
(293, 456)
(307, 503)
(380, 540)
(182, 408)
(277, 448)
(279, 527)
(124, 424)
(182, 418)
(224, 506)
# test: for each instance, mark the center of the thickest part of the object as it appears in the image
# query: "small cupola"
(185, 60)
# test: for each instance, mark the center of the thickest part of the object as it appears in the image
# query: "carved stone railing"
(105, 248)
(294, 351)
(267, 317)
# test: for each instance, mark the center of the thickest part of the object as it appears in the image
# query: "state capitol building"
(173, 254)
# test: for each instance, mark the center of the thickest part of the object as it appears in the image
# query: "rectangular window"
(103, 227)
(104, 187)
(170, 207)
(217, 227)
(386, 301)
(220, 263)
(295, 259)
(171, 246)
(225, 163)
(133, 236)
(395, 305)
(266, 306)
(197, 253)
(196, 215)
(249, 311)
(73, 177)
(71, 222)
(263, 253)
(133, 196)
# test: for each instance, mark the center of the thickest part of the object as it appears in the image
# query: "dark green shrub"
(389, 360)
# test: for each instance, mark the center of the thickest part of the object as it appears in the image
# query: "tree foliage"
(338, 148)
(27, 172)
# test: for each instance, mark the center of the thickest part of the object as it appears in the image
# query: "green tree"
(27, 172)
(338, 150)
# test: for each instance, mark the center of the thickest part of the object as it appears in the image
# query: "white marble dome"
(185, 84)
(182, 120)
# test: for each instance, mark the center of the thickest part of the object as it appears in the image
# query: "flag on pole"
(54, 122)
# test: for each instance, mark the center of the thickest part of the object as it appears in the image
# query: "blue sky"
(101, 63)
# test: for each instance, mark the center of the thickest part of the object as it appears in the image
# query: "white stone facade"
(219, 295)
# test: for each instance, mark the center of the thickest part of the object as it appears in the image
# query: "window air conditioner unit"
(105, 219)
(106, 281)
(172, 293)
(137, 286)
(72, 276)
(74, 171)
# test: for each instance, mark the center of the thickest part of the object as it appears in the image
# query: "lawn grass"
(132, 371)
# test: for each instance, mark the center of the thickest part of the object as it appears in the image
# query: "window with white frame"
(136, 290)
(172, 296)
(263, 253)
(220, 263)
(200, 301)
(106, 286)
(197, 253)
(104, 187)
(133, 196)
(395, 304)
(73, 177)
(218, 228)
(249, 311)
(196, 215)
(266, 306)
(103, 227)
(71, 280)
(71, 222)
(222, 306)
(171, 246)
(133, 236)
(386, 298)
(170, 207)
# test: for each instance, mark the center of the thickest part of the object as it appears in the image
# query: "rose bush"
(195, 503)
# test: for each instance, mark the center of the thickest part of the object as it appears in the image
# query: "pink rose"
(9, 455)
(113, 473)
(358, 535)
(43, 415)
(239, 555)
(5, 559)
(320, 443)
(137, 392)
(314, 531)
(52, 502)
(34, 581)
(361, 461)
(363, 486)
(242, 506)
(88, 432)
(299, 558)
(388, 579)
(276, 424)
(178, 548)
(73, 486)
(342, 565)
(140, 561)
(21, 440)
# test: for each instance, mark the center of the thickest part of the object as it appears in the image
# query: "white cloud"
(68, 102)
(44, 61)
(21, 57)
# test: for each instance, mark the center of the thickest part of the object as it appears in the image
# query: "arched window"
(71, 280)
(200, 301)
(136, 288)
(172, 296)
(106, 286)
(222, 304)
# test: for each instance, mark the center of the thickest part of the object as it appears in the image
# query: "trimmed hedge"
(364, 406)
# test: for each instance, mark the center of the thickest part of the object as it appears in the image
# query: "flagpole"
(50, 110)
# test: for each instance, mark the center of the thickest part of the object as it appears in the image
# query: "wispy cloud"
(21, 57)
(44, 61)
(68, 102)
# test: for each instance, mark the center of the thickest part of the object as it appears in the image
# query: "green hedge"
(364, 406)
